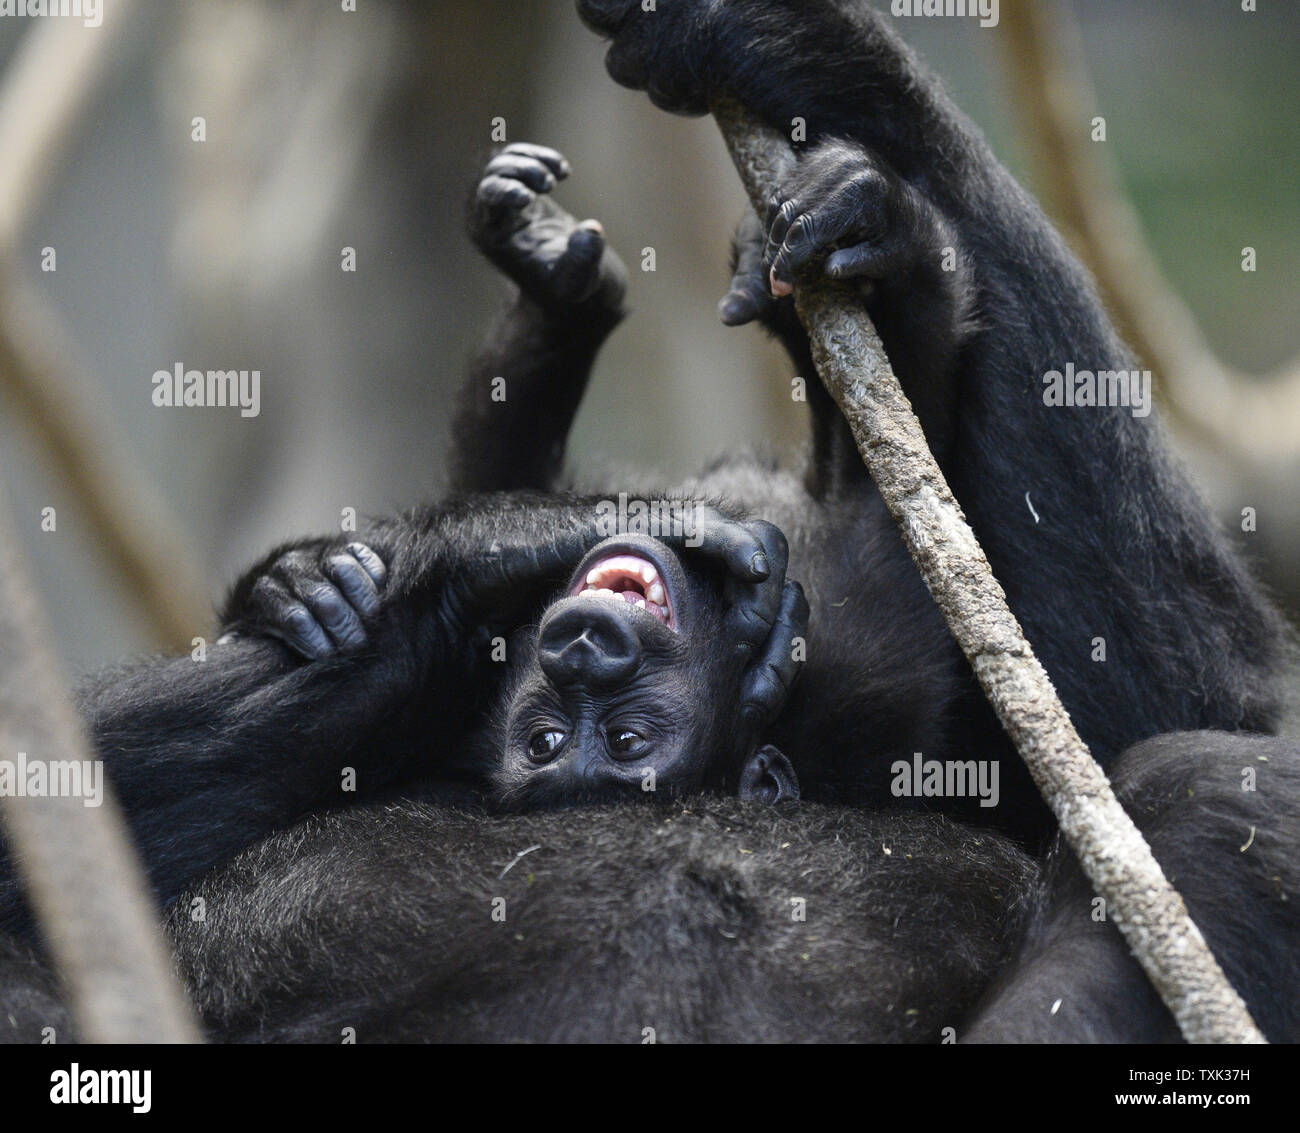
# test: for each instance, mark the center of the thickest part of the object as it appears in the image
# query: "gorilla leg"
(1222, 815)
(1190, 642)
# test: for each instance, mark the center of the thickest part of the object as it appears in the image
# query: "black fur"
(377, 917)
(1123, 548)
(678, 918)
(681, 918)
(1222, 816)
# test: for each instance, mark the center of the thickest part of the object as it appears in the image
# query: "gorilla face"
(629, 686)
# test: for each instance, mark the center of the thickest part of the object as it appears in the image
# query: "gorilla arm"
(516, 408)
(1192, 641)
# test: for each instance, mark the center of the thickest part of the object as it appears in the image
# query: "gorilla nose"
(588, 642)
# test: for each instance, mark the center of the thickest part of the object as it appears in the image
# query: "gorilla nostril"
(588, 644)
(564, 664)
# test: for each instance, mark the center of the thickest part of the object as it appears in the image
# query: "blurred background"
(327, 129)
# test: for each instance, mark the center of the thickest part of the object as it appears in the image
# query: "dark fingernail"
(758, 565)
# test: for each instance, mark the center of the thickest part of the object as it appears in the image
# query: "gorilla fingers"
(559, 263)
(318, 607)
(844, 214)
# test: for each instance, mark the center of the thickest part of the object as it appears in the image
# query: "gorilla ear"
(768, 777)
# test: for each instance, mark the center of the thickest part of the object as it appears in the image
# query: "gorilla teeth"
(628, 597)
(631, 579)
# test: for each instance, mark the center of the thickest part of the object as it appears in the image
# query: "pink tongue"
(630, 595)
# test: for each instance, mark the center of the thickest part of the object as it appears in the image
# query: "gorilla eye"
(543, 745)
(626, 744)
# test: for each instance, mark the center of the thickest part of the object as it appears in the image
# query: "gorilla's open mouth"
(631, 578)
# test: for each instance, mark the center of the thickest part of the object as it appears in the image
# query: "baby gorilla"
(646, 673)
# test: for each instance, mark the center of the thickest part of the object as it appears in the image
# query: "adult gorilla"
(404, 918)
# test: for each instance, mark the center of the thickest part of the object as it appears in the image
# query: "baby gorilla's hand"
(559, 263)
(765, 613)
(316, 602)
(769, 620)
